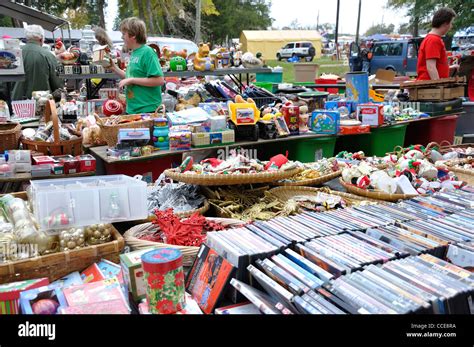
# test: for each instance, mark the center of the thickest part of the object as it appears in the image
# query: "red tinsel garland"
(182, 232)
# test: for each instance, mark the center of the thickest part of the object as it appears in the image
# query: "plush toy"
(380, 180)
(189, 103)
(250, 61)
(168, 53)
(427, 170)
(390, 159)
(414, 154)
(278, 160)
(435, 156)
(202, 60)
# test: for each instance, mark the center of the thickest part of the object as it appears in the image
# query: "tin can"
(357, 87)
(164, 279)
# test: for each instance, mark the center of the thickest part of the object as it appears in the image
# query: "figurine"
(202, 60)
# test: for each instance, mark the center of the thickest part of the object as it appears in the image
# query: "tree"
(420, 12)
(235, 16)
(380, 29)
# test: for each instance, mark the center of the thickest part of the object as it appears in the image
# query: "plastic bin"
(305, 72)
(275, 77)
(266, 85)
(70, 202)
(443, 129)
(378, 142)
(310, 150)
(327, 81)
(465, 124)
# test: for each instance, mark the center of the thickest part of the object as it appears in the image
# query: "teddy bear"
(202, 61)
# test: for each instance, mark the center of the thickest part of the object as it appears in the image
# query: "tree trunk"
(151, 26)
(100, 8)
(141, 10)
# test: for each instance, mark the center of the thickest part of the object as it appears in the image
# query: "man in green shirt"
(39, 65)
(143, 78)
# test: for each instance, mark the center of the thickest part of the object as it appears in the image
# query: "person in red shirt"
(432, 57)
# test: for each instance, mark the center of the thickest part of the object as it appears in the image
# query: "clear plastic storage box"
(59, 203)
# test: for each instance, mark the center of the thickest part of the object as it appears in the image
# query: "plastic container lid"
(162, 260)
(312, 94)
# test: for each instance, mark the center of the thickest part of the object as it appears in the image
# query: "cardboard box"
(19, 156)
(12, 62)
(325, 122)
(200, 139)
(57, 169)
(10, 294)
(382, 76)
(94, 292)
(42, 170)
(29, 297)
(87, 163)
(22, 167)
(43, 159)
(133, 272)
(370, 114)
(71, 164)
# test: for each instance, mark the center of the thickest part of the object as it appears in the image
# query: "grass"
(289, 72)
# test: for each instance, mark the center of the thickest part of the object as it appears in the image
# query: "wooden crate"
(441, 93)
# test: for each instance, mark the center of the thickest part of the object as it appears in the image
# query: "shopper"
(39, 64)
(432, 57)
(143, 77)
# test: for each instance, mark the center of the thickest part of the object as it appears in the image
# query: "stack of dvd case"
(421, 284)
(240, 247)
(345, 253)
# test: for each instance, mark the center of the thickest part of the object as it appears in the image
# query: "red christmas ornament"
(112, 107)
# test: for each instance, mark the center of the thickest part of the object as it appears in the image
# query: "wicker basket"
(10, 134)
(286, 193)
(58, 147)
(465, 175)
(189, 252)
(446, 147)
(310, 182)
(220, 179)
(375, 194)
(109, 133)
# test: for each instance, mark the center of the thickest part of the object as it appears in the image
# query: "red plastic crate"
(327, 81)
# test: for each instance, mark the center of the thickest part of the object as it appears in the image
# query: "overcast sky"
(306, 12)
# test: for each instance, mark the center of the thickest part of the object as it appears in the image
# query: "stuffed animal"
(250, 61)
(188, 103)
(202, 60)
(168, 53)
(380, 180)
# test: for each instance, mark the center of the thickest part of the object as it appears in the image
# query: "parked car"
(304, 49)
(400, 56)
(174, 44)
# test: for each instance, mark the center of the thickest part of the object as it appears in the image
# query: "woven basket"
(375, 194)
(220, 179)
(58, 147)
(286, 193)
(189, 252)
(310, 182)
(465, 175)
(10, 134)
(446, 147)
(109, 133)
